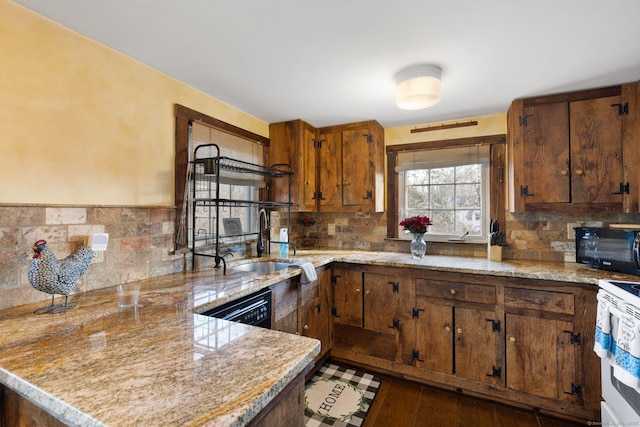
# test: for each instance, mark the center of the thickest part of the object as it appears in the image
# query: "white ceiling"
(334, 61)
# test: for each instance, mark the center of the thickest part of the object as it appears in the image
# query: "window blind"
(230, 146)
(442, 158)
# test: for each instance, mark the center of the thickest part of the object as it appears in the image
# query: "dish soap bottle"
(284, 237)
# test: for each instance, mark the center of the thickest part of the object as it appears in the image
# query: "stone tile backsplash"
(141, 240)
(536, 236)
(140, 245)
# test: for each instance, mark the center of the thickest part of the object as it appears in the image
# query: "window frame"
(496, 208)
(184, 116)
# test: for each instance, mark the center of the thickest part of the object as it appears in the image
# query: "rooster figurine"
(53, 276)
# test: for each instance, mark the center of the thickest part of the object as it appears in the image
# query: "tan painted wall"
(81, 124)
(487, 125)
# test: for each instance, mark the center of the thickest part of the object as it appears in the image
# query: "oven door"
(608, 418)
(621, 400)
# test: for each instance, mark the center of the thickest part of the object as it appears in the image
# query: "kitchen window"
(238, 149)
(450, 186)
(459, 184)
(193, 129)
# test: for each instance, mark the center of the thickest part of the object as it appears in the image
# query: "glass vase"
(418, 245)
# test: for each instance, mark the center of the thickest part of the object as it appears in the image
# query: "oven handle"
(236, 314)
(636, 250)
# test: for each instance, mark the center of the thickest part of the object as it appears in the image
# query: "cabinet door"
(357, 189)
(474, 336)
(546, 153)
(308, 171)
(347, 297)
(293, 143)
(380, 302)
(541, 359)
(316, 310)
(631, 155)
(284, 305)
(596, 150)
(331, 171)
(434, 337)
(351, 164)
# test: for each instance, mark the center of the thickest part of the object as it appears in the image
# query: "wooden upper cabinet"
(330, 161)
(336, 168)
(630, 146)
(568, 152)
(293, 143)
(596, 150)
(546, 148)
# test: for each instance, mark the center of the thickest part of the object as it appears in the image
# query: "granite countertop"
(552, 271)
(157, 364)
(161, 363)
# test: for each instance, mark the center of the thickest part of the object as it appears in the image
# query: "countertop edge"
(56, 407)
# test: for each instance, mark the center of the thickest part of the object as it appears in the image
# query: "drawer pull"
(459, 330)
(357, 290)
(512, 339)
(447, 328)
(453, 291)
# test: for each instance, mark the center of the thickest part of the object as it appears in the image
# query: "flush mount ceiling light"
(418, 87)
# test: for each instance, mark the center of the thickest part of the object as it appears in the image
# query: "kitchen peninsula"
(161, 363)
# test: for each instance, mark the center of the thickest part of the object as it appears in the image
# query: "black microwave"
(614, 249)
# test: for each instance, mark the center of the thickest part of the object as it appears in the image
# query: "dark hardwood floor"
(406, 404)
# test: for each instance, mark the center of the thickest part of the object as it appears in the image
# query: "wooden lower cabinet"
(304, 309)
(16, 410)
(452, 331)
(475, 342)
(544, 345)
(525, 342)
(287, 408)
(434, 337)
(316, 310)
(541, 359)
(284, 306)
(347, 295)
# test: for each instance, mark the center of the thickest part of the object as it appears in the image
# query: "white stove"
(618, 345)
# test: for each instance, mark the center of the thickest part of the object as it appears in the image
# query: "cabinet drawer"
(483, 294)
(554, 302)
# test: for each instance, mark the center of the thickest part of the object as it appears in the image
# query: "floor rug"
(338, 396)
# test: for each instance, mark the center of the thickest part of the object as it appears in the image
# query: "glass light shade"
(418, 87)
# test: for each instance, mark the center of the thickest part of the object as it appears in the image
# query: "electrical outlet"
(331, 229)
(97, 257)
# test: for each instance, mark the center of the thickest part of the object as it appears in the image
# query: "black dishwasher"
(253, 309)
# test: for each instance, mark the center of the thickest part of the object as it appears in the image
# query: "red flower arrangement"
(416, 224)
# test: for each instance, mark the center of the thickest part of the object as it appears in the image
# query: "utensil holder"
(494, 253)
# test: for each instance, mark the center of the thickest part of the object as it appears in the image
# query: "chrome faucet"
(260, 248)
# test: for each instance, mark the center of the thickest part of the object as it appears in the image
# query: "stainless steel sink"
(262, 267)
